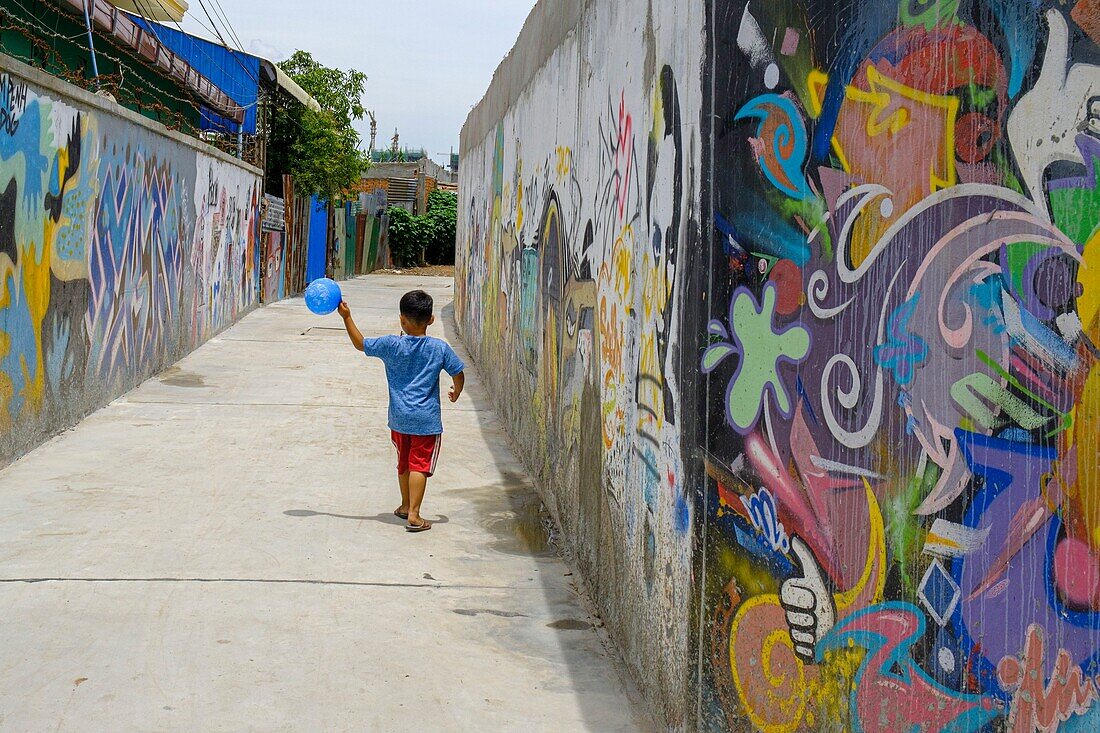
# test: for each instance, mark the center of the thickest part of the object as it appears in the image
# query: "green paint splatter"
(981, 96)
(1076, 210)
(1019, 255)
(762, 350)
(940, 12)
(905, 532)
(812, 213)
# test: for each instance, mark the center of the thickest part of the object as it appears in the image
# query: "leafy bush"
(431, 235)
(443, 215)
(408, 236)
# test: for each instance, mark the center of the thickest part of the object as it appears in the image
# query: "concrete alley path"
(215, 551)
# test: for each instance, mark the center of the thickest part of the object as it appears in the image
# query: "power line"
(232, 53)
(113, 81)
(152, 28)
(229, 26)
(200, 21)
(150, 25)
(206, 11)
(213, 24)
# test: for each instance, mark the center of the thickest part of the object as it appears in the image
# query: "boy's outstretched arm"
(353, 330)
(458, 381)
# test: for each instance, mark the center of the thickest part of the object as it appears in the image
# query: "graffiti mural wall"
(902, 512)
(812, 338)
(577, 207)
(121, 249)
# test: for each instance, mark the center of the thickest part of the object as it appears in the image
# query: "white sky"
(428, 62)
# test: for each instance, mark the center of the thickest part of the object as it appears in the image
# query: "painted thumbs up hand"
(808, 603)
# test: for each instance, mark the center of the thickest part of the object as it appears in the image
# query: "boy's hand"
(343, 310)
(456, 386)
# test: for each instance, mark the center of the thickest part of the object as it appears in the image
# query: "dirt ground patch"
(429, 271)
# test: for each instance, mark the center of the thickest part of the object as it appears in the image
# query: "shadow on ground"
(527, 529)
(390, 518)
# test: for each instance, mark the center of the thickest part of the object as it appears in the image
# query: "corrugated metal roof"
(402, 189)
(234, 72)
(126, 30)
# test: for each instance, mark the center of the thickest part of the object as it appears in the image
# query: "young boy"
(413, 363)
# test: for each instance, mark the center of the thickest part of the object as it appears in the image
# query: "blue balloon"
(323, 296)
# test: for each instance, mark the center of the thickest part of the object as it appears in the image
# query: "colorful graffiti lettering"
(1038, 707)
(892, 692)
(873, 394)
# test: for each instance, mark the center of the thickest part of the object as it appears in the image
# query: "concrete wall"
(579, 197)
(122, 248)
(876, 378)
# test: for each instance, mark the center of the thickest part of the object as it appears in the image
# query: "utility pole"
(91, 43)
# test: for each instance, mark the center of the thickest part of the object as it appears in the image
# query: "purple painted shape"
(1090, 153)
(790, 42)
(999, 621)
(833, 185)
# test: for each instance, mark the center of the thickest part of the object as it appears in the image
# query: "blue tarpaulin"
(317, 256)
(235, 73)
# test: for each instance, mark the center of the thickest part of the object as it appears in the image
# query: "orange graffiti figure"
(1035, 707)
(900, 123)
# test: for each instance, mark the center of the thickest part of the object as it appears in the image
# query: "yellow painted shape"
(36, 290)
(816, 82)
(1088, 277)
(793, 708)
(621, 260)
(1086, 493)
(607, 408)
(874, 570)
(563, 167)
(658, 132)
(884, 91)
(519, 207)
(935, 539)
(878, 122)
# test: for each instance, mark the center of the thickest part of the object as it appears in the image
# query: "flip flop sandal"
(397, 513)
(424, 526)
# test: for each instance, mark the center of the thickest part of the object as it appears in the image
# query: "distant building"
(409, 156)
(406, 185)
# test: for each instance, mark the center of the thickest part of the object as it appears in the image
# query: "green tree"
(320, 149)
(429, 237)
(443, 221)
(408, 237)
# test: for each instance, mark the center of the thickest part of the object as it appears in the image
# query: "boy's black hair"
(417, 307)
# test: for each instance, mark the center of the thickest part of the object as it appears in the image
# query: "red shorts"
(417, 453)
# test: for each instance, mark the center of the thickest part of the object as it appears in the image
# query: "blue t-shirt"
(413, 364)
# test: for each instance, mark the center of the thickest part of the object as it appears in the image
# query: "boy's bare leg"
(418, 482)
(403, 480)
